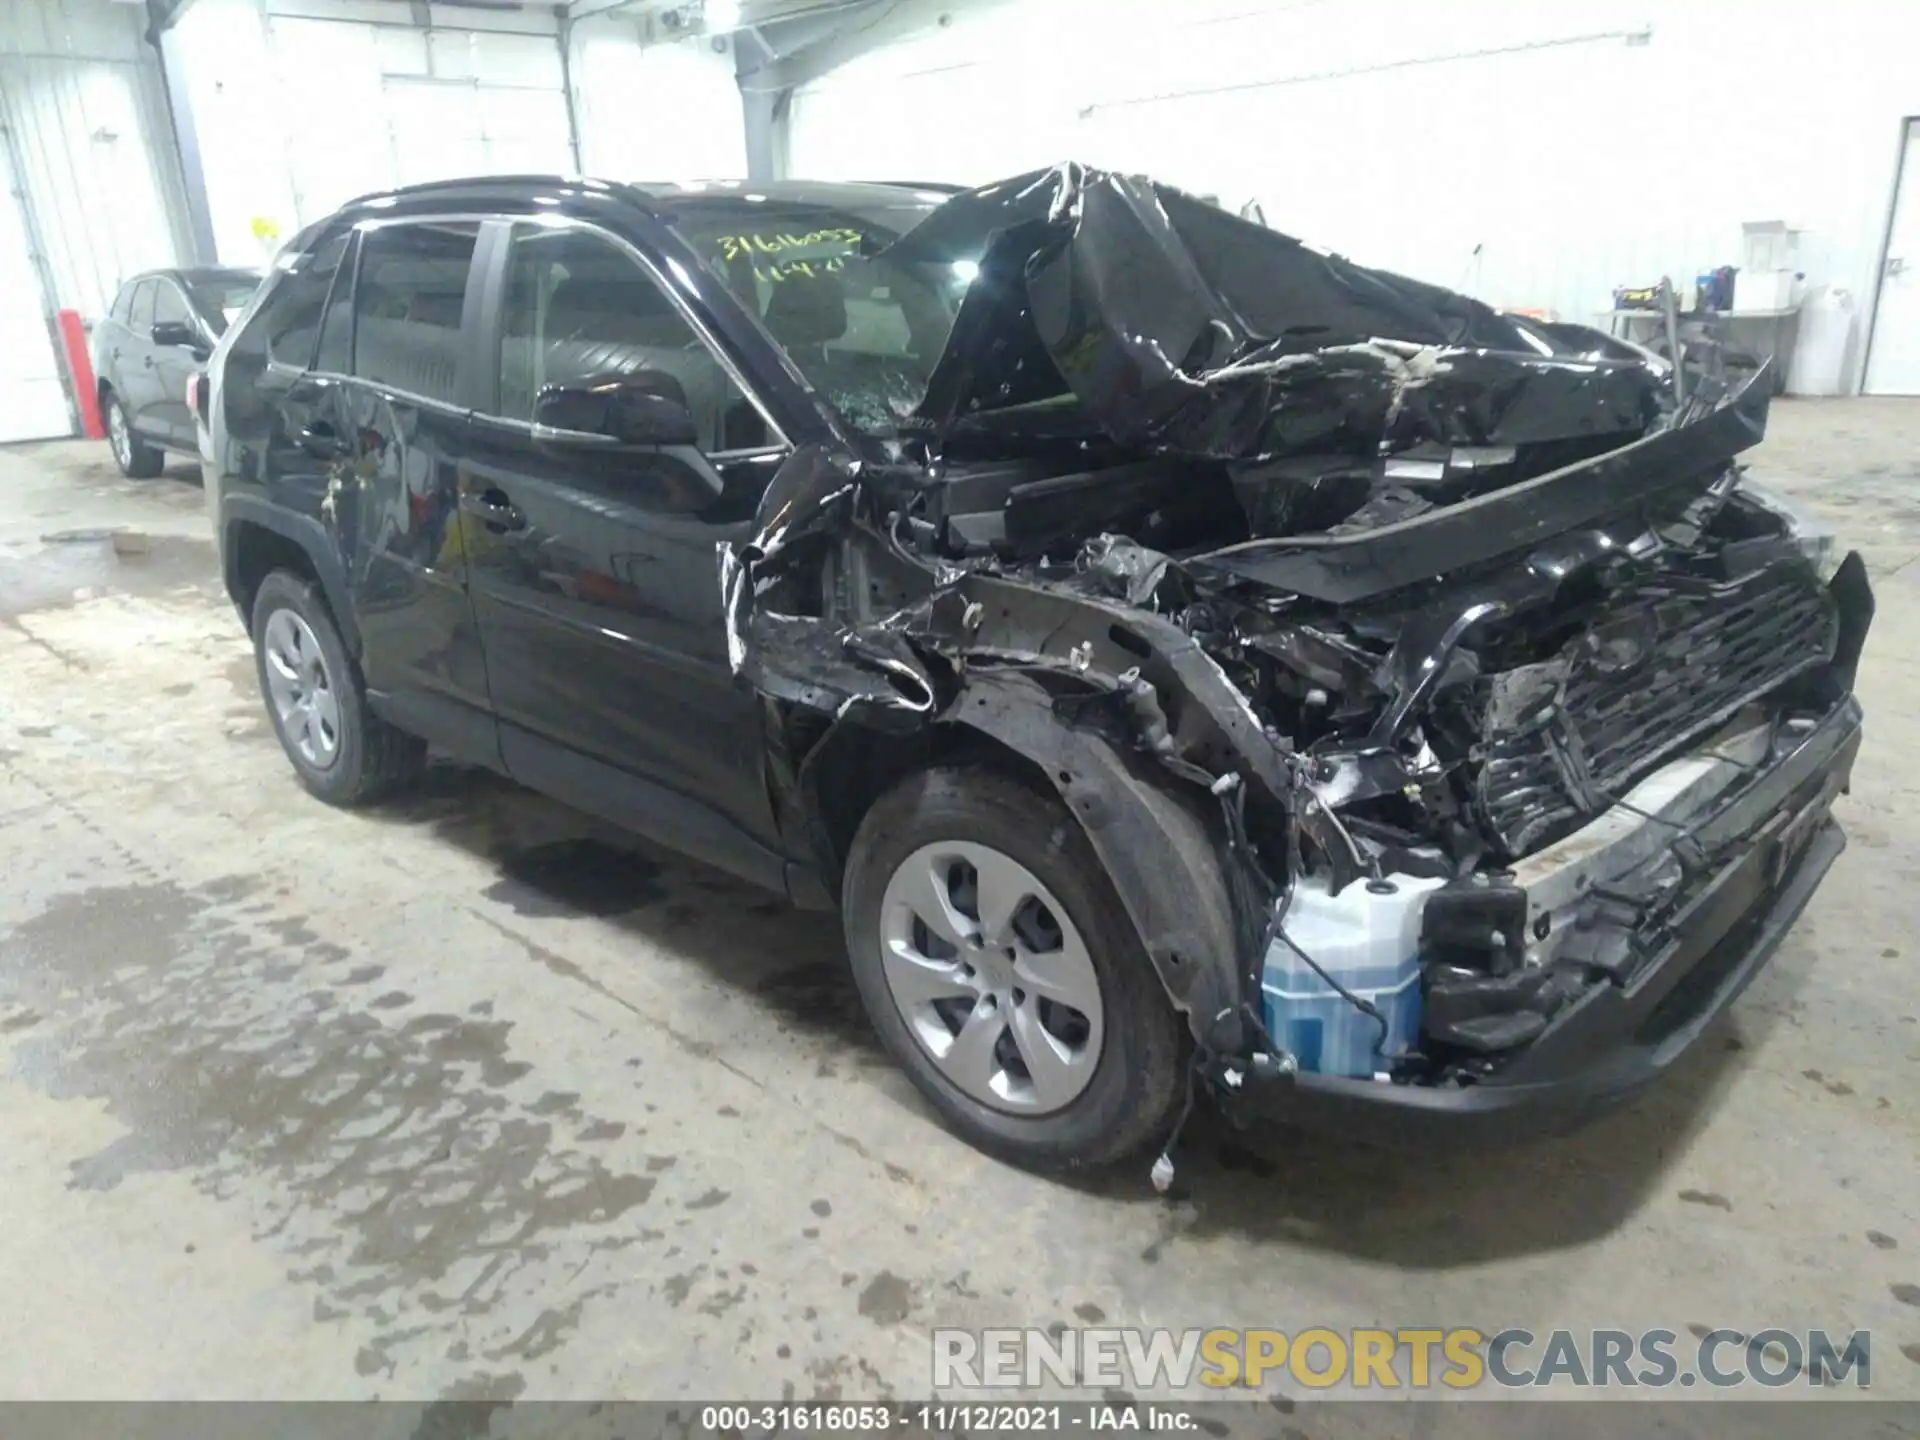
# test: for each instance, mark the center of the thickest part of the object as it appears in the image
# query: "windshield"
(221, 298)
(865, 331)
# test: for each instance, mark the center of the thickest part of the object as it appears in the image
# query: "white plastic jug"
(1823, 351)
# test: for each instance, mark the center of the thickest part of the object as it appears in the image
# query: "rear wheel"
(341, 750)
(137, 459)
(1001, 971)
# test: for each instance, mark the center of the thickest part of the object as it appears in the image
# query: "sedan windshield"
(222, 295)
(863, 328)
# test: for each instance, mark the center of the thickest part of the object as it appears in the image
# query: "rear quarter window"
(281, 329)
(286, 324)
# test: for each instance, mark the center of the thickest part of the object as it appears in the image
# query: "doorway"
(33, 387)
(1893, 345)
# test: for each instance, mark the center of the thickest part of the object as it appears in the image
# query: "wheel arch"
(258, 538)
(1159, 851)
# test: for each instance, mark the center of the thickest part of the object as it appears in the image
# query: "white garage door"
(33, 398)
(402, 106)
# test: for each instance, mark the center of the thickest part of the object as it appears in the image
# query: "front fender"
(1164, 860)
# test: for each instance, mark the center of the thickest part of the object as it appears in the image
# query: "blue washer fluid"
(1370, 943)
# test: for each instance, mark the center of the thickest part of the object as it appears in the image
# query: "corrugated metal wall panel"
(84, 107)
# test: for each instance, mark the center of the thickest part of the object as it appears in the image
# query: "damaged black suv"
(1191, 662)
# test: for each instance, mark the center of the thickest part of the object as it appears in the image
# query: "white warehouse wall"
(297, 112)
(668, 111)
(1531, 154)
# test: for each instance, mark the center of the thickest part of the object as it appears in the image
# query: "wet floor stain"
(1707, 1198)
(575, 877)
(887, 1299)
(72, 566)
(421, 1183)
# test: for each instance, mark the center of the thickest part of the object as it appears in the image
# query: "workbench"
(1780, 330)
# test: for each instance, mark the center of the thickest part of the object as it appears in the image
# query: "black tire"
(372, 759)
(141, 460)
(1139, 1079)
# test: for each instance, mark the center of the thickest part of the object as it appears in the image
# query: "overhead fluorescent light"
(722, 16)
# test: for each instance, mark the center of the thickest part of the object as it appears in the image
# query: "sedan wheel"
(994, 982)
(302, 693)
(119, 437)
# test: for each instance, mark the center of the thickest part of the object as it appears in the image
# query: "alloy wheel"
(300, 689)
(991, 976)
(118, 436)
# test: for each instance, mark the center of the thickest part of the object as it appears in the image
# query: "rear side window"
(407, 306)
(141, 319)
(123, 303)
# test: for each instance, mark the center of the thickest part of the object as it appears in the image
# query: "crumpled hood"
(1180, 328)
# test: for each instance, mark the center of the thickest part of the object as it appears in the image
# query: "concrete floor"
(466, 1096)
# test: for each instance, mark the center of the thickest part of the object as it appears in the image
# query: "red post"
(85, 389)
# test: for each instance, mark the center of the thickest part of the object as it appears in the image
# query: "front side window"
(411, 290)
(169, 305)
(579, 308)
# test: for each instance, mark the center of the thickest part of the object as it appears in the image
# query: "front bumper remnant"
(1771, 839)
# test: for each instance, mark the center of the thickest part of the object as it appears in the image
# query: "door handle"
(495, 511)
(148, 362)
(319, 441)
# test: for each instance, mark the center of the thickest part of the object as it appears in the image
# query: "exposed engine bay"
(1406, 662)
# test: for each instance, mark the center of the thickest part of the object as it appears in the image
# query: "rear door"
(401, 419)
(594, 575)
(172, 364)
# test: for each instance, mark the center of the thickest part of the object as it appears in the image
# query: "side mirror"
(176, 332)
(648, 408)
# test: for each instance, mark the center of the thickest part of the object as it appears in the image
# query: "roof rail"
(461, 182)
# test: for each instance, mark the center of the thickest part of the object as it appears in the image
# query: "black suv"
(163, 325)
(1189, 661)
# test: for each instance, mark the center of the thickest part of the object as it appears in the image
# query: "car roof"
(661, 196)
(192, 273)
(828, 194)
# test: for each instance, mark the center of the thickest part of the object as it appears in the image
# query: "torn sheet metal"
(1184, 329)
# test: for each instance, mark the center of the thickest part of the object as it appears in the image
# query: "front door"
(1893, 363)
(594, 574)
(172, 364)
(139, 383)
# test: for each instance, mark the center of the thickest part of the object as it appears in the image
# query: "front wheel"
(1001, 971)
